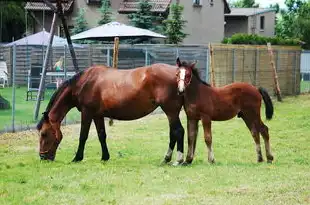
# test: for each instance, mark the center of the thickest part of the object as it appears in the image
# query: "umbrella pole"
(66, 30)
(47, 53)
(115, 62)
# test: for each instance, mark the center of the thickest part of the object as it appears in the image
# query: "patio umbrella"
(115, 29)
(41, 39)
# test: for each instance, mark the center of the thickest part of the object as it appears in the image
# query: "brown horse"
(100, 92)
(206, 103)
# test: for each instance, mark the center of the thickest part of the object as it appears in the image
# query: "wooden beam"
(275, 75)
(66, 30)
(212, 65)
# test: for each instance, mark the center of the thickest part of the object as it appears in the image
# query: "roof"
(128, 6)
(39, 6)
(249, 11)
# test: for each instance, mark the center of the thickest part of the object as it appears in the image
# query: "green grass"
(24, 110)
(304, 86)
(134, 175)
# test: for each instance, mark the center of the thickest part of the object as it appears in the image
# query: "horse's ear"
(192, 66)
(178, 62)
(45, 116)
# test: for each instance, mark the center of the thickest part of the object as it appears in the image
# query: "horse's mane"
(195, 73)
(55, 95)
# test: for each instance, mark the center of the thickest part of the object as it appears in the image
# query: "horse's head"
(50, 137)
(184, 75)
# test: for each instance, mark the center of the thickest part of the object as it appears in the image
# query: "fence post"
(65, 72)
(13, 88)
(257, 53)
(90, 55)
(207, 66)
(233, 65)
(177, 52)
(108, 56)
(295, 67)
(146, 56)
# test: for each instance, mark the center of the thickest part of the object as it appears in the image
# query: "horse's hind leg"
(100, 127)
(85, 125)
(208, 138)
(254, 127)
(265, 134)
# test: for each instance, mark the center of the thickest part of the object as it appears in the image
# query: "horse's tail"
(268, 103)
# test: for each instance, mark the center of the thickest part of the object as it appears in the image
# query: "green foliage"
(244, 4)
(106, 12)
(145, 18)
(175, 24)
(295, 21)
(254, 39)
(275, 6)
(13, 20)
(80, 23)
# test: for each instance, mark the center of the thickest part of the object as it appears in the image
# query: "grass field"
(134, 175)
(25, 109)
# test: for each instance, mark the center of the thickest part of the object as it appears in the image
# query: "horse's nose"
(180, 92)
(43, 156)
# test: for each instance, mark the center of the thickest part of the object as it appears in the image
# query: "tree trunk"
(4, 104)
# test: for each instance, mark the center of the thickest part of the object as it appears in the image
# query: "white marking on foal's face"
(181, 85)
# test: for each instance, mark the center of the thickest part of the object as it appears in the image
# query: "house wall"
(204, 24)
(269, 24)
(235, 24)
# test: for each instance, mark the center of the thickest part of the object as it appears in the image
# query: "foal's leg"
(253, 125)
(192, 131)
(206, 123)
(85, 124)
(100, 127)
(265, 134)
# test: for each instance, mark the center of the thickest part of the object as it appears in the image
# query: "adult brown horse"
(206, 103)
(100, 92)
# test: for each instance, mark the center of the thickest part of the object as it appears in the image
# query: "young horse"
(206, 103)
(100, 92)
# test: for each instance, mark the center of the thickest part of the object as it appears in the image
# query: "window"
(93, 1)
(262, 22)
(197, 2)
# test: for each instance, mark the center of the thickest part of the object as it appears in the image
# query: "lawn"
(134, 174)
(24, 114)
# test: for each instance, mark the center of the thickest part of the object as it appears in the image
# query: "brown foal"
(206, 103)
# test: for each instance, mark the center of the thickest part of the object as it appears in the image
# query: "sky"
(266, 3)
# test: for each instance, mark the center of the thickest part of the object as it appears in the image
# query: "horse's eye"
(43, 134)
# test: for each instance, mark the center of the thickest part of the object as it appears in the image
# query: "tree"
(244, 4)
(175, 24)
(106, 12)
(145, 18)
(294, 22)
(12, 20)
(80, 23)
(275, 6)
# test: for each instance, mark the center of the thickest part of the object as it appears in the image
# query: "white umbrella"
(115, 29)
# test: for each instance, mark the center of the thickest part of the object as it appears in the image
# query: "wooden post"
(275, 75)
(115, 62)
(212, 65)
(65, 26)
(42, 80)
(115, 52)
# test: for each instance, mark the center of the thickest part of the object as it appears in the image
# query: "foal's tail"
(268, 103)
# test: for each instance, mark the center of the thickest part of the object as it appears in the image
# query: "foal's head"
(184, 74)
(50, 137)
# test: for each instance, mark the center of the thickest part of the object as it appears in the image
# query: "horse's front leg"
(85, 125)
(100, 126)
(192, 131)
(178, 133)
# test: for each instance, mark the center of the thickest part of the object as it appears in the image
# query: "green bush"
(254, 39)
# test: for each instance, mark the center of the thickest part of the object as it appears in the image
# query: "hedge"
(254, 39)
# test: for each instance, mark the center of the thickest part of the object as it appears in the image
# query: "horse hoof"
(212, 161)
(186, 163)
(269, 161)
(77, 159)
(177, 163)
(105, 158)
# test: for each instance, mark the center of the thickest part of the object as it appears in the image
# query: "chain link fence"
(231, 64)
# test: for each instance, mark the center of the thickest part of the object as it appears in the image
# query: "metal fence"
(231, 64)
(305, 71)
